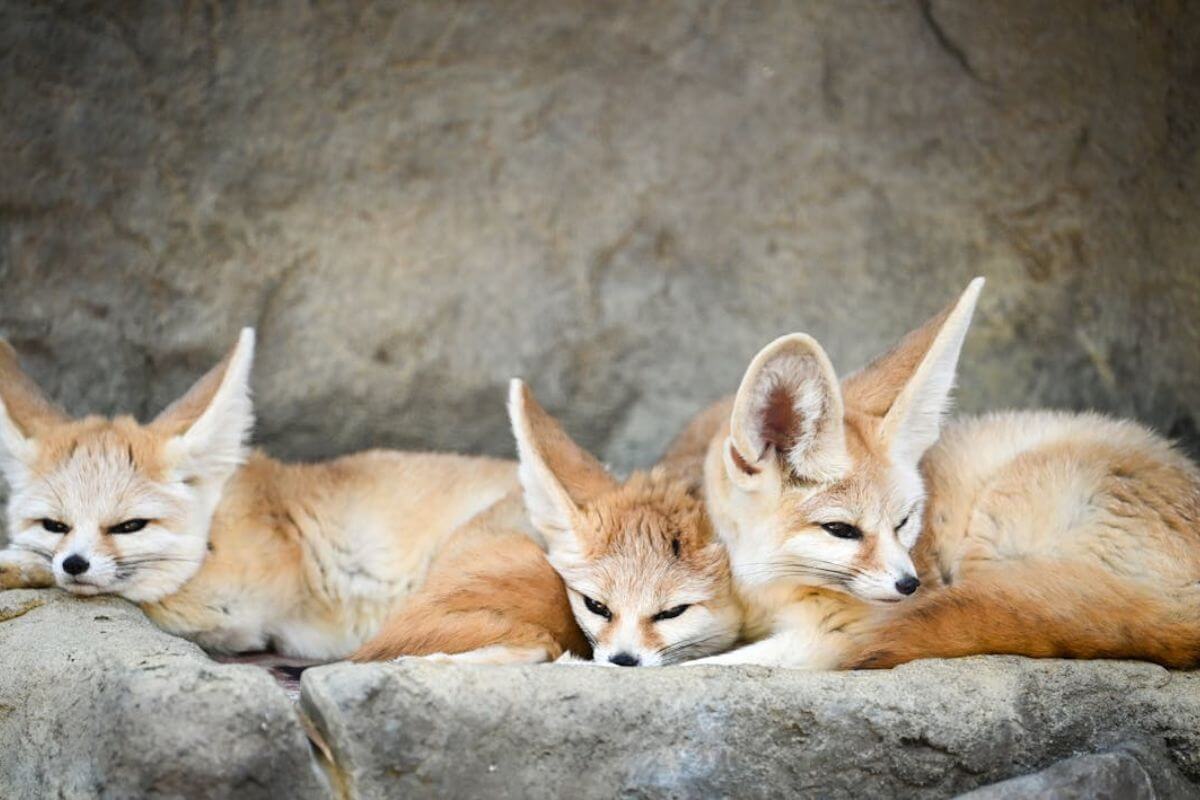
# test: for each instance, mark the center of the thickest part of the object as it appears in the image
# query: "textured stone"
(929, 729)
(95, 702)
(1104, 776)
(619, 201)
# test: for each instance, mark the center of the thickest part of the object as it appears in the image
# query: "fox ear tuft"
(24, 414)
(208, 426)
(789, 406)
(909, 387)
(557, 475)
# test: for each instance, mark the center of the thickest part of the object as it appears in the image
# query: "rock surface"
(619, 201)
(95, 702)
(930, 729)
(1103, 776)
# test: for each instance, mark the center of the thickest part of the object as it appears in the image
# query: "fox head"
(817, 483)
(118, 507)
(648, 581)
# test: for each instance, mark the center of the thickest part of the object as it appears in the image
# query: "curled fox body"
(631, 572)
(1053, 535)
(231, 549)
(857, 538)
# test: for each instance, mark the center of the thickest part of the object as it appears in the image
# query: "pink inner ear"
(780, 422)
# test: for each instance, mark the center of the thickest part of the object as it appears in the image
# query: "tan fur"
(640, 546)
(328, 550)
(240, 552)
(1052, 535)
(1044, 534)
(491, 585)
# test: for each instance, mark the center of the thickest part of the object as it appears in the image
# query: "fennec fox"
(632, 571)
(1031, 533)
(231, 549)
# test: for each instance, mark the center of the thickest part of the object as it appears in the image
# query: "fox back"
(1056, 535)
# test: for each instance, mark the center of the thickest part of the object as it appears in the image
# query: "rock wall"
(619, 201)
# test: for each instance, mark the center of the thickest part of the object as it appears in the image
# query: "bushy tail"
(1045, 611)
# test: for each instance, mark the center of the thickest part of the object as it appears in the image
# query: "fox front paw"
(22, 570)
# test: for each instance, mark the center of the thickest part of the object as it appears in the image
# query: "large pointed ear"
(557, 475)
(788, 410)
(209, 425)
(25, 413)
(909, 387)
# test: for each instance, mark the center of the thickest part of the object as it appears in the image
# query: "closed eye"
(597, 608)
(903, 522)
(671, 613)
(842, 530)
(129, 526)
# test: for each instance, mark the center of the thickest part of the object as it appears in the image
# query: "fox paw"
(21, 570)
(432, 658)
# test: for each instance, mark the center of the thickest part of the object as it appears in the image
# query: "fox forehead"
(873, 491)
(97, 468)
(98, 440)
(648, 514)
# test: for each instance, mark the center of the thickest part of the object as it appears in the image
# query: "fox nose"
(75, 565)
(907, 585)
(624, 660)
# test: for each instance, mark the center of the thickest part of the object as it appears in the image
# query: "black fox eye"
(54, 526)
(671, 613)
(903, 522)
(129, 526)
(842, 531)
(599, 609)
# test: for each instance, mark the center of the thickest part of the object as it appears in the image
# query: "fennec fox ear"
(24, 414)
(909, 386)
(557, 475)
(788, 406)
(209, 425)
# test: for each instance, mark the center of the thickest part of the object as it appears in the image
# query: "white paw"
(23, 570)
(434, 658)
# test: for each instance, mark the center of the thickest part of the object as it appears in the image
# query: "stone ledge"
(97, 702)
(930, 729)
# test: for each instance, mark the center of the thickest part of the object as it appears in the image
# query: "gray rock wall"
(619, 201)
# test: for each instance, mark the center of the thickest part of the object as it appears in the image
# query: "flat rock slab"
(97, 702)
(930, 729)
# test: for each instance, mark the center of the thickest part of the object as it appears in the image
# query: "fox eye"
(54, 526)
(903, 522)
(671, 613)
(597, 608)
(129, 526)
(842, 531)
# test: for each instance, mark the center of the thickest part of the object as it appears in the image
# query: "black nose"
(75, 565)
(907, 585)
(624, 660)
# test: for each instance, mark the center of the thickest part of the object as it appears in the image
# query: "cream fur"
(238, 553)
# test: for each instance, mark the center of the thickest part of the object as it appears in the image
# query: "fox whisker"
(682, 651)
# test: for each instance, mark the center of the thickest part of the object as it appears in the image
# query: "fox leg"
(21, 569)
(493, 654)
(783, 649)
(799, 642)
(477, 636)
